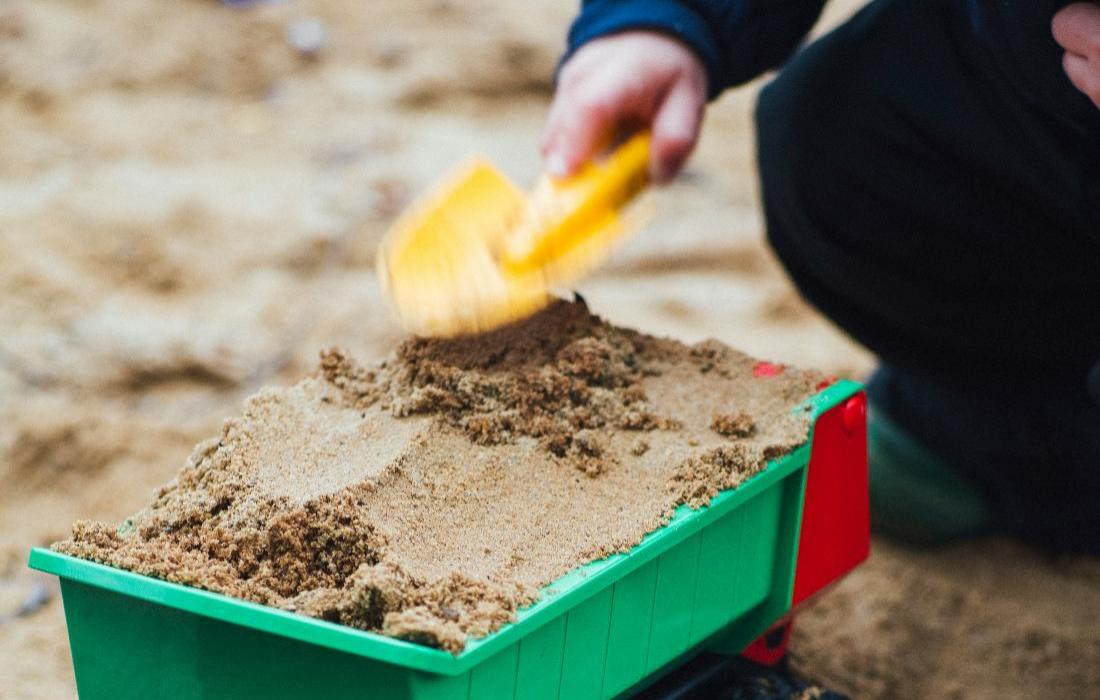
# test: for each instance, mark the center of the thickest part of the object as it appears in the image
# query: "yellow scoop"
(477, 253)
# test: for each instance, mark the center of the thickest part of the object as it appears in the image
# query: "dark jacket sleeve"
(736, 40)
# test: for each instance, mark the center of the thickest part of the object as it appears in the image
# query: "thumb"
(675, 129)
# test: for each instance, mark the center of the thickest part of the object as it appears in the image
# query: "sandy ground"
(189, 207)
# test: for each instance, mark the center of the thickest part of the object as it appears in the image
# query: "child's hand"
(1077, 29)
(624, 82)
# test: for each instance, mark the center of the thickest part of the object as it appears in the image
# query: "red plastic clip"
(769, 648)
(767, 369)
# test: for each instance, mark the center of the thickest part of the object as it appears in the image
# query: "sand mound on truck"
(431, 494)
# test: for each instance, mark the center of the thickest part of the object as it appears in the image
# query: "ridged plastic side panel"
(540, 658)
(125, 648)
(663, 609)
(652, 616)
(631, 621)
(586, 636)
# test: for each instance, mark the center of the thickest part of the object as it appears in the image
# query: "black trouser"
(920, 201)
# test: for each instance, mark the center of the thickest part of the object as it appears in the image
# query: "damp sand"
(430, 495)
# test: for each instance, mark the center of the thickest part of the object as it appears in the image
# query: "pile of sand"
(430, 495)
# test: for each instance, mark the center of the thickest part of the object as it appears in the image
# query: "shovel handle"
(563, 212)
(623, 174)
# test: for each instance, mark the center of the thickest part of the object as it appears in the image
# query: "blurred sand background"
(189, 207)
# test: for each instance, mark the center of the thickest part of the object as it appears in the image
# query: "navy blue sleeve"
(736, 40)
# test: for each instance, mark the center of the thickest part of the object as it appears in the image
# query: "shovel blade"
(439, 263)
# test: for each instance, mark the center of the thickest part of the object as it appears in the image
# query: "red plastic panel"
(836, 519)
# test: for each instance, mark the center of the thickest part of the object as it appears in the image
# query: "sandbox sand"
(431, 494)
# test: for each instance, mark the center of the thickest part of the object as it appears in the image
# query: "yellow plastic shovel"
(477, 253)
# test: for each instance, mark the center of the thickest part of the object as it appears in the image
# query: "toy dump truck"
(726, 577)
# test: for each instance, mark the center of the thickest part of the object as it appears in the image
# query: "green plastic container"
(715, 577)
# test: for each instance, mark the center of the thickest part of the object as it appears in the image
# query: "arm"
(736, 40)
(654, 63)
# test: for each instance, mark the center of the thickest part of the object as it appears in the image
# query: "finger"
(1078, 70)
(564, 97)
(675, 129)
(581, 124)
(553, 122)
(1077, 28)
(552, 135)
